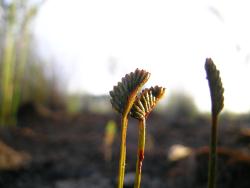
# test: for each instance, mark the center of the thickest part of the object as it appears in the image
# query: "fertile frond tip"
(126, 90)
(146, 102)
(215, 86)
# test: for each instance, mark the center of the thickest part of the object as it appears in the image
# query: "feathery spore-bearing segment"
(215, 86)
(127, 89)
(146, 102)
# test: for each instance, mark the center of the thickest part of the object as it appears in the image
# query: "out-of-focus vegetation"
(24, 76)
(88, 103)
(109, 138)
(22, 71)
(181, 106)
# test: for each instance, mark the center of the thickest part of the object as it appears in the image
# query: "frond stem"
(213, 153)
(122, 161)
(140, 152)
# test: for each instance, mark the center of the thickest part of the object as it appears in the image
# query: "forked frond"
(146, 102)
(125, 92)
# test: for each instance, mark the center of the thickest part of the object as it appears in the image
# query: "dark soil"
(68, 152)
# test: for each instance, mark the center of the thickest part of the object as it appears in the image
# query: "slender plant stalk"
(23, 49)
(122, 152)
(213, 153)
(122, 99)
(7, 79)
(14, 57)
(142, 107)
(217, 100)
(122, 162)
(140, 152)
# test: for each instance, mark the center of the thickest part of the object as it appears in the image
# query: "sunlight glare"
(171, 39)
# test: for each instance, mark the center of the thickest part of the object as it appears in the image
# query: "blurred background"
(60, 59)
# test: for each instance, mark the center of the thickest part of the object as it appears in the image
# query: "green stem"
(213, 153)
(122, 152)
(7, 78)
(140, 152)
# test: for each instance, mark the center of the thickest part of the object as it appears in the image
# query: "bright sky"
(97, 42)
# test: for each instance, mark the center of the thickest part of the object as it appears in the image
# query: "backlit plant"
(217, 99)
(142, 107)
(125, 100)
(122, 99)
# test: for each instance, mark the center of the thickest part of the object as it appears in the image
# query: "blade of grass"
(7, 79)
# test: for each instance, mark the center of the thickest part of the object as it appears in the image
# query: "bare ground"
(68, 152)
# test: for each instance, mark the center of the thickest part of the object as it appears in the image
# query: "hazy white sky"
(98, 42)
